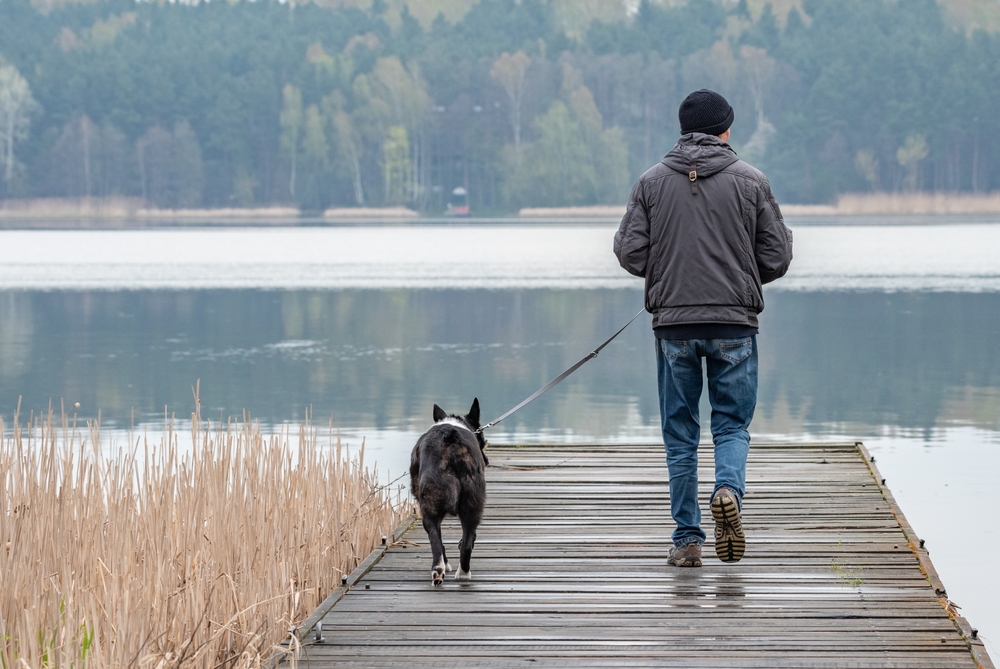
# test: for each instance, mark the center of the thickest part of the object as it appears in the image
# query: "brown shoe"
(685, 556)
(730, 542)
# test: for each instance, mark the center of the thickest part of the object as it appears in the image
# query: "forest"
(241, 104)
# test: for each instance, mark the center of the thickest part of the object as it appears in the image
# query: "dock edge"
(976, 646)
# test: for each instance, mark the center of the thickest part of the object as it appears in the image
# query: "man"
(704, 230)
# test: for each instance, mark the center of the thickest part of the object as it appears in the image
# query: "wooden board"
(570, 571)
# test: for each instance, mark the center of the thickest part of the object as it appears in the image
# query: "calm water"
(886, 333)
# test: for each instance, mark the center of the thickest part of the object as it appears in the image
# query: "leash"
(555, 381)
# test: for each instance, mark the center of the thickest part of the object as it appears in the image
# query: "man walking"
(704, 230)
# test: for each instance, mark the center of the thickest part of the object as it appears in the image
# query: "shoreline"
(131, 213)
(793, 219)
(121, 211)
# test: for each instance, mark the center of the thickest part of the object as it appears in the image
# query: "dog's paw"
(437, 576)
(447, 567)
(463, 575)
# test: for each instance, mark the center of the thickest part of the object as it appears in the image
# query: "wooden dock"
(570, 570)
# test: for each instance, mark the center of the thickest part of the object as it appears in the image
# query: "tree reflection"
(382, 358)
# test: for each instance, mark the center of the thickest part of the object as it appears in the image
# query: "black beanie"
(705, 111)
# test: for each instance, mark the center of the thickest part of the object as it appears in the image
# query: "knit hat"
(705, 111)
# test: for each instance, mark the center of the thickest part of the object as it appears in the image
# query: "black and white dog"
(448, 476)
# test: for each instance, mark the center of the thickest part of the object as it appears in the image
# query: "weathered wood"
(570, 570)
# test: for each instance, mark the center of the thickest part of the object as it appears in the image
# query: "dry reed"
(595, 211)
(120, 209)
(70, 207)
(902, 204)
(370, 212)
(221, 212)
(160, 557)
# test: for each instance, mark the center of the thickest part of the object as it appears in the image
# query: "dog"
(448, 476)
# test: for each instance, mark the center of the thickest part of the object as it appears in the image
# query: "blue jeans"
(732, 389)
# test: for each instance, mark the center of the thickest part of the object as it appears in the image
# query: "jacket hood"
(707, 153)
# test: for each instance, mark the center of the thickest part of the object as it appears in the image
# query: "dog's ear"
(474, 412)
(439, 414)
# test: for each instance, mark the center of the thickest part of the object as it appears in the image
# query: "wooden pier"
(570, 570)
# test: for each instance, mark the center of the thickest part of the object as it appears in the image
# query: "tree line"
(251, 103)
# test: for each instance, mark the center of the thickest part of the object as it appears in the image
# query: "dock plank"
(570, 569)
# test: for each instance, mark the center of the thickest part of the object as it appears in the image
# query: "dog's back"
(450, 473)
(448, 477)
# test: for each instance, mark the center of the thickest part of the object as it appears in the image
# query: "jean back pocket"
(736, 350)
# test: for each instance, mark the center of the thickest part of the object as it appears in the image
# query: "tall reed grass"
(158, 556)
(116, 211)
(901, 204)
(590, 211)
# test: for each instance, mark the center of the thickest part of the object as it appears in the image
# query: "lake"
(885, 331)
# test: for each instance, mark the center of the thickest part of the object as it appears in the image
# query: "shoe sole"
(730, 542)
(686, 562)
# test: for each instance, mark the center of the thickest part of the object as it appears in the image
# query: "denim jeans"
(732, 389)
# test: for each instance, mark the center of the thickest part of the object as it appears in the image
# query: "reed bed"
(119, 210)
(70, 207)
(591, 211)
(901, 204)
(370, 212)
(919, 203)
(162, 557)
(222, 212)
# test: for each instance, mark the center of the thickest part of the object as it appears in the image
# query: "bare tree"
(348, 136)
(187, 169)
(715, 66)
(909, 155)
(110, 161)
(16, 107)
(291, 124)
(347, 139)
(155, 153)
(757, 70)
(509, 71)
(409, 104)
(659, 96)
(866, 164)
(70, 158)
(87, 160)
(86, 130)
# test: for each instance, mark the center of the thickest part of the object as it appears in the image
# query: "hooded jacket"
(704, 230)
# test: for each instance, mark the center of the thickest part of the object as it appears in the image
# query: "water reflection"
(867, 360)
(830, 362)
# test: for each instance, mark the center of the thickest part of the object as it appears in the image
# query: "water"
(952, 257)
(885, 333)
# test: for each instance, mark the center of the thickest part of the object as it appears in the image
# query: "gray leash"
(553, 382)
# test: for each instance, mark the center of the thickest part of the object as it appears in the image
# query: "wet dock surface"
(570, 570)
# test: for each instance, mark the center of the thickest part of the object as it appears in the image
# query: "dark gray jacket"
(704, 230)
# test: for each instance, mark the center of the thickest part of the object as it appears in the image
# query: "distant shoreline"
(902, 204)
(848, 204)
(120, 212)
(123, 212)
